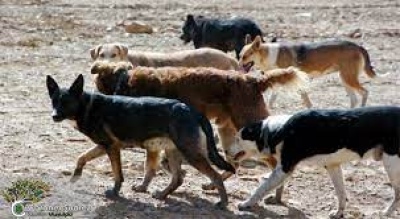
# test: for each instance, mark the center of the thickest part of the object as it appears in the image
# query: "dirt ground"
(53, 37)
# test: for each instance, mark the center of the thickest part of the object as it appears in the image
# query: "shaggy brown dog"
(204, 57)
(231, 98)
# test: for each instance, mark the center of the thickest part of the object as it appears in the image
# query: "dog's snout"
(57, 117)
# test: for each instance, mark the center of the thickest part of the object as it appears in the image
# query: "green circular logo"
(17, 208)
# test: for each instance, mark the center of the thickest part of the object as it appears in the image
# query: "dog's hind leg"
(199, 162)
(306, 99)
(92, 153)
(114, 154)
(272, 98)
(392, 164)
(352, 96)
(335, 173)
(194, 149)
(174, 164)
(349, 75)
(152, 161)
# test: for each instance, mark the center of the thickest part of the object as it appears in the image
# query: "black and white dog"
(325, 138)
(222, 34)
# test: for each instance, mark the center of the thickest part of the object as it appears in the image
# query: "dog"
(204, 57)
(230, 98)
(314, 58)
(155, 124)
(222, 34)
(325, 138)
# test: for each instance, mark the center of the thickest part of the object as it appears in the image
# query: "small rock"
(66, 173)
(136, 27)
(355, 33)
(109, 29)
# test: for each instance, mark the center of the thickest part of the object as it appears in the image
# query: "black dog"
(225, 35)
(326, 138)
(155, 124)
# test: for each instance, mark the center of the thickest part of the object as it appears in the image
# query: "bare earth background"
(41, 37)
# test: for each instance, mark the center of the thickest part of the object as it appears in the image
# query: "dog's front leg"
(152, 161)
(277, 178)
(92, 153)
(114, 153)
(335, 173)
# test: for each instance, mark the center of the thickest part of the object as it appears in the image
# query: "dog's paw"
(243, 206)
(336, 214)
(209, 186)
(272, 200)
(77, 175)
(111, 194)
(160, 195)
(139, 188)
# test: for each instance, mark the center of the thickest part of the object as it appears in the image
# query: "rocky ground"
(43, 37)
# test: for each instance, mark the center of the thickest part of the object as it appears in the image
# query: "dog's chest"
(341, 156)
(157, 144)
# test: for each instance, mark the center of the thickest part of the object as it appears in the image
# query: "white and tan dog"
(324, 138)
(316, 59)
(204, 57)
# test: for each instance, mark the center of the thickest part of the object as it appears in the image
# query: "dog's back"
(322, 132)
(204, 57)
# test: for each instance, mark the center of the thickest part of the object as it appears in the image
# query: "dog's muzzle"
(185, 38)
(56, 116)
(247, 67)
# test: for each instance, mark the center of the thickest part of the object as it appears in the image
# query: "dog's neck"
(121, 86)
(85, 105)
(272, 131)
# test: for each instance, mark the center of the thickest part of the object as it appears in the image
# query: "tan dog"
(316, 59)
(204, 57)
(231, 98)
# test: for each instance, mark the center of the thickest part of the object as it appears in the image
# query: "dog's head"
(65, 102)
(111, 52)
(188, 29)
(252, 53)
(253, 139)
(108, 75)
(245, 144)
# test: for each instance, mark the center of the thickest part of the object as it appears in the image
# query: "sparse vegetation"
(26, 189)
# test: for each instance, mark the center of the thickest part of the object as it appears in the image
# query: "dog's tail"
(290, 77)
(213, 154)
(368, 68)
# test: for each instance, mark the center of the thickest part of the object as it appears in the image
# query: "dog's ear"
(77, 87)
(256, 43)
(190, 18)
(123, 50)
(247, 39)
(94, 52)
(52, 85)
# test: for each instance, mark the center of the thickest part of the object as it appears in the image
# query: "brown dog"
(205, 57)
(231, 98)
(316, 59)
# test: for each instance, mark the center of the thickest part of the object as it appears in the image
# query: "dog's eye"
(101, 55)
(113, 55)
